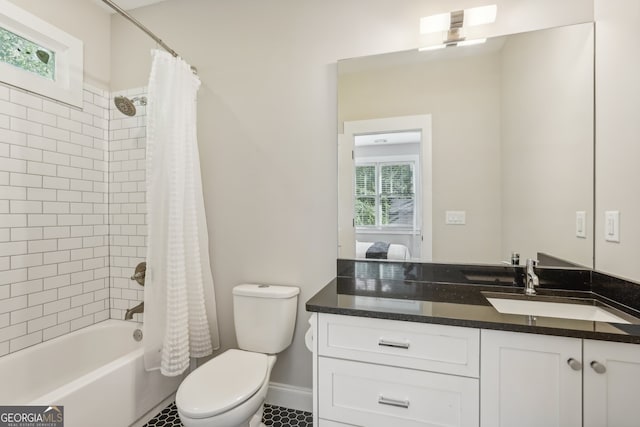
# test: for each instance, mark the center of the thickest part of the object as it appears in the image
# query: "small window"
(38, 57)
(385, 195)
(27, 55)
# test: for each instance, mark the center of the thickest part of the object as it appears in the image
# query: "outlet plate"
(456, 217)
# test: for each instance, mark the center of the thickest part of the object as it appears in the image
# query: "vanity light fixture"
(452, 23)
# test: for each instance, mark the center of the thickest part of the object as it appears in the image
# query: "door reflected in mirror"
(469, 154)
(386, 196)
(390, 168)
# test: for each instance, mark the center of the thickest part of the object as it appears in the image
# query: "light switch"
(612, 226)
(456, 217)
(581, 224)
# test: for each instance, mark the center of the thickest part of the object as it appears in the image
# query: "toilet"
(229, 390)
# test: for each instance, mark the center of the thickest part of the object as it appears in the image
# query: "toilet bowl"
(229, 390)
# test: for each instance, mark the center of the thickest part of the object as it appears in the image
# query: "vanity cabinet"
(611, 384)
(533, 380)
(377, 372)
(530, 380)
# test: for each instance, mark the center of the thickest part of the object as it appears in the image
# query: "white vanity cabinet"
(376, 372)
(372, 372)
(611, 384)
(530, 380)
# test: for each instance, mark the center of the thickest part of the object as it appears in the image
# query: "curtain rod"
(138, 24)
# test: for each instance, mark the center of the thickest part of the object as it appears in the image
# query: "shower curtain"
(180, 314)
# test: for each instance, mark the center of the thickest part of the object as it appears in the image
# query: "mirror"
(468, 154)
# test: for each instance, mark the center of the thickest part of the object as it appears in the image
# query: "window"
(27, 55)
(38, 57)
(385, 194)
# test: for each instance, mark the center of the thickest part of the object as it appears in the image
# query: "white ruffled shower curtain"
(180, 318)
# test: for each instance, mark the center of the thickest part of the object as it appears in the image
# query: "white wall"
(617, 134)
(547, 146)
(267, 122)
(85, 20)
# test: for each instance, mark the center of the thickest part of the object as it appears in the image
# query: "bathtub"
(96, 373)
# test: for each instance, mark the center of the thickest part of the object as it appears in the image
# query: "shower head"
(128, 106)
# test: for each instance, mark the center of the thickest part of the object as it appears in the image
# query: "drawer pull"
(393, 402)
(395, 344)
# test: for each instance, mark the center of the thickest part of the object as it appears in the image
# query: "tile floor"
(274, 416)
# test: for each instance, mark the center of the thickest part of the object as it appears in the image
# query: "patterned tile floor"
(274, 416)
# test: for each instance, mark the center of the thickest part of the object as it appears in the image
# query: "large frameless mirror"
(469, 154)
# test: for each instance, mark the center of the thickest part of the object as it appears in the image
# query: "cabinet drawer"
(381, 396)
(428, 347)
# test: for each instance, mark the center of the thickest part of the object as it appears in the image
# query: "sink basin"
(564, 308)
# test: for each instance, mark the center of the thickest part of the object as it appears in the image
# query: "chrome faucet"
(137, 309)
(531, 280)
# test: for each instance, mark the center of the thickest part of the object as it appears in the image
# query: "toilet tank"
(264, 316)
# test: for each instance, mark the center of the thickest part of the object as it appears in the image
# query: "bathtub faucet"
(137, 309)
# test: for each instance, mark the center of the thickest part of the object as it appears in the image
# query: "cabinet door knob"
(598, 367)
(396, 344)
(393, 402)
(574, 364)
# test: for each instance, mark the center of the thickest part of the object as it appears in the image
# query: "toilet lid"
(222, 383)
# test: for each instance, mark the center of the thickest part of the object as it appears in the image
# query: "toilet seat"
(222, 383)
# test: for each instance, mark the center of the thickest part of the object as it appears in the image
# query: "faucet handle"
(140, 273)
(531, 263)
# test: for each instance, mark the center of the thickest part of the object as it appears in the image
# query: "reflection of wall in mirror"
(543, 151)
(617, 130)
(463, 98)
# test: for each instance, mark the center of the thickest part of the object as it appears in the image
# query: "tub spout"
(137, 309)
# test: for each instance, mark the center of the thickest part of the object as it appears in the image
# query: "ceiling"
(127, 4)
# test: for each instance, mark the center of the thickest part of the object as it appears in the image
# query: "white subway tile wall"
(127, 204)
(54, 253)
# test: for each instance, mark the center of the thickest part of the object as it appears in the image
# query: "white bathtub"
(96, 373)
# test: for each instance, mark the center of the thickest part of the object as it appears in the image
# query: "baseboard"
(154, 411)
(290, 396)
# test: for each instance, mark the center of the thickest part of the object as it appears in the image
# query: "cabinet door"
(611, 384)
(526, 380)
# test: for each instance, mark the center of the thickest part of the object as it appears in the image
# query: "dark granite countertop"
(465, 305)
